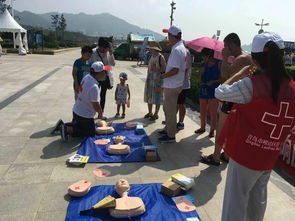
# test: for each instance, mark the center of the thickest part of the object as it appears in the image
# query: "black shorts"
(83, 127)
(182, 96)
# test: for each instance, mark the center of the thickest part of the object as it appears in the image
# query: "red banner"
(287, 157)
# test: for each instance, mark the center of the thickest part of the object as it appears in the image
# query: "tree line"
(59, 24)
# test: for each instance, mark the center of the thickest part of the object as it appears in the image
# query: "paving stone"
(55, 198)
(50, 216)
(17, 217)
(27, 173)
(21, 198)
(3, 170)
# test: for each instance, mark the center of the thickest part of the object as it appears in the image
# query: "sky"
(196, 18)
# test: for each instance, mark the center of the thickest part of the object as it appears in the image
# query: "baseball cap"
(99, 67)
(123, 75)
(260, 41)
(174, 30)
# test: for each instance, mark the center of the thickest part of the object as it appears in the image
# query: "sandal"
(211, 134)
(200, 131)
(224, 158)
(209, 160)
(148, 115)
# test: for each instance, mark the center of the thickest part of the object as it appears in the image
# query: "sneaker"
(123, 116)
(57, 126)
(63, 133)
(166, 139)
(162, 132)
(148, 115)
(180, 126)
(117, 115)
(154, 117)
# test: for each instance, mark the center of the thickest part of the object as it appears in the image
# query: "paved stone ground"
(37, 90)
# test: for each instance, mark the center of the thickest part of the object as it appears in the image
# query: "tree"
(4, 6)
(62, 24)
(55, 23)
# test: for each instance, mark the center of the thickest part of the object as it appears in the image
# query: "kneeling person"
(86, 106)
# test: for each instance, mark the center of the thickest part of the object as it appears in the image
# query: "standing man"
(232, 47)
(173, 83)
(104, 53)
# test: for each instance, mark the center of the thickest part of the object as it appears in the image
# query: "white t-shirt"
(177, 59)
(89, 92)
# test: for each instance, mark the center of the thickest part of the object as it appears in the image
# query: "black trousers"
(104, 85)
(82, 127)
(103, 93)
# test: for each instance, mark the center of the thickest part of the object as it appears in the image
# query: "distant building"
(140, 37)
(289, 45)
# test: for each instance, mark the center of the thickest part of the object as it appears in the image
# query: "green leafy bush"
(193, 94)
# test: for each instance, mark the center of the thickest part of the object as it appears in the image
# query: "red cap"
(165, 30)
(107, 68)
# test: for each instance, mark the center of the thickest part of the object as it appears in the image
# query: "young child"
(81, 68)
(121, 93)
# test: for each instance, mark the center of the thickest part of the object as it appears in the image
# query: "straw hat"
(155, 46)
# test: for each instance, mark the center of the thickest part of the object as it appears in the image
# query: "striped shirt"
(240, 92)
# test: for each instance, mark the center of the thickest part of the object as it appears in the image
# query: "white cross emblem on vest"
(271, 119)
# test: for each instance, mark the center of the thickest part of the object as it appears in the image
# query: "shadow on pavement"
(206, 183)
(43, 133)
(57, 148)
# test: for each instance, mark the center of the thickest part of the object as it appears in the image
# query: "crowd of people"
(250, 101)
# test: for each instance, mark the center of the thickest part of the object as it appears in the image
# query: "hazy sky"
(197, 18)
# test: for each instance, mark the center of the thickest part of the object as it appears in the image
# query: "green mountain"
(103, 24)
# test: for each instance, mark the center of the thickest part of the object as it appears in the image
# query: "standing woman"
(256, 127)
(153, 94)
(104, 53)
(210, 79)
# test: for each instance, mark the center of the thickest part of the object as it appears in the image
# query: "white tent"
(8, 24)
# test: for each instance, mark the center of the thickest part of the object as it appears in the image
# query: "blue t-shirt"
(210, 74)
(83, 69)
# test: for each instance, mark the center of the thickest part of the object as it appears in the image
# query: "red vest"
(253, 133)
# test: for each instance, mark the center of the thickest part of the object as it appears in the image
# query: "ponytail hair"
(271, 60)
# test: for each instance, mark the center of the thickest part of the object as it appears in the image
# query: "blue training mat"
(158, 206)
(98, 153)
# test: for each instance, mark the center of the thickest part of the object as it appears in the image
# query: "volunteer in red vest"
(258, 124)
